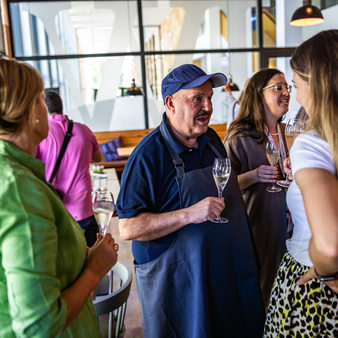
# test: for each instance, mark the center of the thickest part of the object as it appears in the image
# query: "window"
(92, 51)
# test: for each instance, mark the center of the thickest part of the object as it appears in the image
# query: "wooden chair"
(113, 302)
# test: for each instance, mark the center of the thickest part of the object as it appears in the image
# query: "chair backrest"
(115, 301)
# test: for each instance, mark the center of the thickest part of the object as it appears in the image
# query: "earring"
(37, 121)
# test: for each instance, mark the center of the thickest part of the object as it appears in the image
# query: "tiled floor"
(133, 320)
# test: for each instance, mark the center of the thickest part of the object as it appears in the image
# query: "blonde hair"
(20, 86)
(251, 117)
(315, 61)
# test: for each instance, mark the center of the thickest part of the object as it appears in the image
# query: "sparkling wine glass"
(103, 208)
(221, 171)
(293, 128)
(273, 156)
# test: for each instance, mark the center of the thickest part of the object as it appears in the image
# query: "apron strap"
(178, 162)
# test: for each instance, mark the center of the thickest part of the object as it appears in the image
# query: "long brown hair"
(251, 117)
(315, 61)
(20, 86)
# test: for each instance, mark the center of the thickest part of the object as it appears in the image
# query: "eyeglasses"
(278, 87)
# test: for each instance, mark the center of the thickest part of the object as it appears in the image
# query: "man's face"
(189, 110)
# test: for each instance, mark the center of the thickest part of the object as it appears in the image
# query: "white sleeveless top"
(308, 151)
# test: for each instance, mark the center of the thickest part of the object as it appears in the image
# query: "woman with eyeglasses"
(304, 300)
(264, 102)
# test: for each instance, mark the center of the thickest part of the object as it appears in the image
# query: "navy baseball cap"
(189, 76)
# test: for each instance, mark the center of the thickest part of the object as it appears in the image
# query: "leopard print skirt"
(309, 310)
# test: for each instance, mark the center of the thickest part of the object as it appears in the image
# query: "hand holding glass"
(221, 171)
(293, 128)
(103, 208)
(273, 156)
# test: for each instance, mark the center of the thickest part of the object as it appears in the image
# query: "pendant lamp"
(307, 15)
(133, 90)
(233, 86)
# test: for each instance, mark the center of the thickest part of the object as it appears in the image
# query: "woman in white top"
(304, 297)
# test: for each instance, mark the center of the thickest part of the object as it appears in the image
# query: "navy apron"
(205, 284)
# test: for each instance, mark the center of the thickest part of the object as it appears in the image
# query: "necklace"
(273, 134)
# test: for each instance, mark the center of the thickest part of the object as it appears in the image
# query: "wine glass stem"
(220, 192)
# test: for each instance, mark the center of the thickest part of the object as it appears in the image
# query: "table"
(125, 151)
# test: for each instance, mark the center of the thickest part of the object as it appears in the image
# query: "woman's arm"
(101, 257)
(30, 263)
(262, 174)
(239, 155)
(319, 189)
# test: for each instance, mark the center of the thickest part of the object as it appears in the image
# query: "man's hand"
(206, 210)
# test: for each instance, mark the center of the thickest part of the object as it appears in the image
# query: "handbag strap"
(63, 149)
(233, 109)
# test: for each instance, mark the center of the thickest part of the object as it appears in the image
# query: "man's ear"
(169, 104)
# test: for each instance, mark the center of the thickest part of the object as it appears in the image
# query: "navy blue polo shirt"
(148, 182)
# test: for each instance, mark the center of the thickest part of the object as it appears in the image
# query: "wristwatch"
(326, 278)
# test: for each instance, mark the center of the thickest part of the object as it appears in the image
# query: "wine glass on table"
(103, 208)
(273, 156)
(221, 171)
(293, 128)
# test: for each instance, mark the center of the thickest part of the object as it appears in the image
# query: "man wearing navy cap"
(195, 278)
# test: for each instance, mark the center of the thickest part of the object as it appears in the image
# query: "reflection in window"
(102, 41)
(269, 25)
(74, 27)
(203, 28)
(224, 25)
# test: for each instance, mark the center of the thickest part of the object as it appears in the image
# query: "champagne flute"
(103, 208)
(273, 156)
(293, 128)
(221, 171)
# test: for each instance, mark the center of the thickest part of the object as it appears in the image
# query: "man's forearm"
(149, 226)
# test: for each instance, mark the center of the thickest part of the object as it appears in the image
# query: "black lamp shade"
(306, 16)
(233, 87)
(133, 90)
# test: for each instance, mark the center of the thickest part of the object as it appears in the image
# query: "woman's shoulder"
(311, 142)
(244, 136)
(311, 138)
(311, 150)
(11, 170)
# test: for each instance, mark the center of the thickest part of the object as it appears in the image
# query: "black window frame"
(263, 52)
